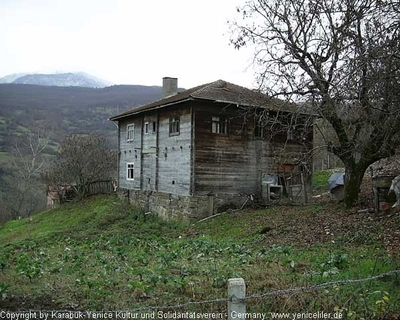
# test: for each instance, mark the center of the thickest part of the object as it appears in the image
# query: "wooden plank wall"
(149, 152)
(174, 152)
(236, 162)
(130, 152)
(216, 163)
(162, 162)
(225, 162)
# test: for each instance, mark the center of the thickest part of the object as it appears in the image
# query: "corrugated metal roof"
(217, 91)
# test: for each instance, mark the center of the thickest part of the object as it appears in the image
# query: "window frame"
(130, 166)
(291, 133)
(219, 125)
(146, 127)
(174, 126)
(258, 131)
(130, 131)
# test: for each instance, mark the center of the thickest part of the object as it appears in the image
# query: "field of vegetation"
(103, 254)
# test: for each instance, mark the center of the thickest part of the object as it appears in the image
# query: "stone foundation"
(191, 208)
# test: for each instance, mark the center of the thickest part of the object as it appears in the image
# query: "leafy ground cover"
(102, 254)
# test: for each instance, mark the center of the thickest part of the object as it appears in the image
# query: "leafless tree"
(27, 156)
(25, 193)
(341, 59)
(83, 159)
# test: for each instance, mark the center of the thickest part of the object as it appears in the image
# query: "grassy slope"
(101, 254)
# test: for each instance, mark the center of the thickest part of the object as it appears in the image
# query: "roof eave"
(238, 103)
(133, 112)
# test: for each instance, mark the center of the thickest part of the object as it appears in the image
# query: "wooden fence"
(100, 187)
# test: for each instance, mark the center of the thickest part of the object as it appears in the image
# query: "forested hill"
(66, 110)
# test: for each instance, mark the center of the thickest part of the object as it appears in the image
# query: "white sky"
(124, 41)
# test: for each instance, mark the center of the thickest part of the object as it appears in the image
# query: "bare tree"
(27, 156)
(24, 194)
(340, 58)
(83, 159)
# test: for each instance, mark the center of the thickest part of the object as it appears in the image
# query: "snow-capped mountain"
(12, 77)
(78, 79)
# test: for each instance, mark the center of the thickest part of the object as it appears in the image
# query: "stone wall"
(177, 207)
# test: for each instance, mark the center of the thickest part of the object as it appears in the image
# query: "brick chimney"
(170, 86)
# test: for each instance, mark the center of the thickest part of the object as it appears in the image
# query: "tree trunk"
(353, 177)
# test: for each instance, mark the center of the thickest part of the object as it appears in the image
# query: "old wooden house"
(196, 152)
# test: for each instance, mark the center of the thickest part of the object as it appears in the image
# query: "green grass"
(3, 123)
(320, 179)
(102, 254)
(52, 222)
(5, 158)
(21, 130)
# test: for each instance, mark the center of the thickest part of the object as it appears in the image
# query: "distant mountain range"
(78, 79)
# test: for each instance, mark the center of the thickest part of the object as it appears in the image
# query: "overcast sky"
(124, 41)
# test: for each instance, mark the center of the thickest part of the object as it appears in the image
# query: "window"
(130, 132)
(258, 131)
(129, 171)
(154, 127)
(291, 133)
(146, 128)
(219, 125)
(173, 126)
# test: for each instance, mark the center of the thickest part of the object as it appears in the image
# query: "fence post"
(236, 296)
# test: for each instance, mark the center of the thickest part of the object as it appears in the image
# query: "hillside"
(27, 109)
(65, 110)
(102, 254)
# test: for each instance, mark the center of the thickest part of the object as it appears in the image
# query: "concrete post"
(236, 296)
